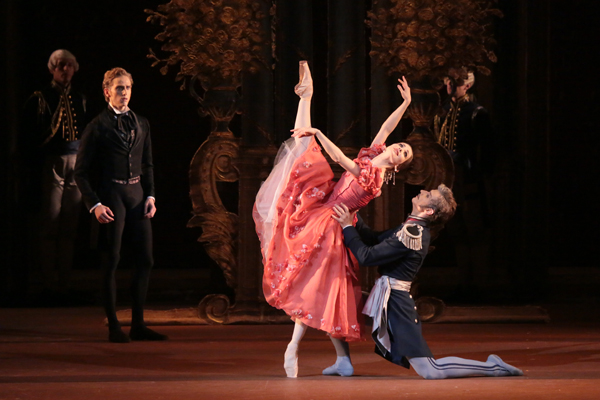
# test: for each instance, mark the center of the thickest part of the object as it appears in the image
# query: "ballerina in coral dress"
(308, 272)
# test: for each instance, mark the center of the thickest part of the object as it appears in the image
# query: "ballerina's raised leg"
(304, 89)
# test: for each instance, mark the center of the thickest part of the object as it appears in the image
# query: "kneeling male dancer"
(399, 253)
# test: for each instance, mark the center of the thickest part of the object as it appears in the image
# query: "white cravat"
(117, 111)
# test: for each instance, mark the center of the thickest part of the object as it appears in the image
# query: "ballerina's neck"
(382, 161)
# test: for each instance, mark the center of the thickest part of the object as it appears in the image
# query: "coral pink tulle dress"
(308, 272)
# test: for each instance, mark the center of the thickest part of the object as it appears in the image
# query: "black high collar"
(419, 220)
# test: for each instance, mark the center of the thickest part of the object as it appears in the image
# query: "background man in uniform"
(464, 129)
(53, 122)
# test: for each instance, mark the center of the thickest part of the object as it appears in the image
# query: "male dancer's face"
(423, 202)
(119, 93)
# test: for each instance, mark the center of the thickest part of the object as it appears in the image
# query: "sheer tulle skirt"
(308, 272)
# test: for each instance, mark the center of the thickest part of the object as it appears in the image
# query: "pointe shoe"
(304, 88)
(290, 361)
(342, 367)
(514, 371)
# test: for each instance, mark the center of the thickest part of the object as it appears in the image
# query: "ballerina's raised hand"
(404, 90)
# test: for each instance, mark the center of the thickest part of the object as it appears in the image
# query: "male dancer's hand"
(343, 215)
(104, 215)
(149, 208)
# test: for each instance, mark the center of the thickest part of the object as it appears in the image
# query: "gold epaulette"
(410, 235)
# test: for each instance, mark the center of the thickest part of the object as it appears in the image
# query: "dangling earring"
(390, 175)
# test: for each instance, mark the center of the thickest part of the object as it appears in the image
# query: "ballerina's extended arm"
(392, 121)
(334, 152)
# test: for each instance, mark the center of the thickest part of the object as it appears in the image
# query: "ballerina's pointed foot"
(304, 88)
(290, 363)
(342, 367)
(514, 371)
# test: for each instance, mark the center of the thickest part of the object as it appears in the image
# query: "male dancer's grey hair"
(444, 206)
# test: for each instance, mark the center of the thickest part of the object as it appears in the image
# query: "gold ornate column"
(215, 162)
(432, 165)
(214, 43)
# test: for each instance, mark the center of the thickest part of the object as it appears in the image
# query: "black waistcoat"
(105, 154)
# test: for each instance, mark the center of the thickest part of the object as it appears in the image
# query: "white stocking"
(341, 347)
(343, 364)
(290, 359)
(299, 330)
(303, 114)
(304, 90)
(455, 367)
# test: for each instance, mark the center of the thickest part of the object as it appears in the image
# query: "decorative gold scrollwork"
(429, 308)
(431, 164)
(214, 161)
(214, 308)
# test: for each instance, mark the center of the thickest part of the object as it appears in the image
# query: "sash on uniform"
(376, 306)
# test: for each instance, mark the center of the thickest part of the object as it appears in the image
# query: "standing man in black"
(53, 122)
(114, 172)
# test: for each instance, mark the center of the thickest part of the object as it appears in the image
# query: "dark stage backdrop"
(103, 35)
(542, 97)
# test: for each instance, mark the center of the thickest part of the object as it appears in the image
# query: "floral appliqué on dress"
(370, 178)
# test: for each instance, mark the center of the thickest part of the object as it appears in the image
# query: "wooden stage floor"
(62, 353)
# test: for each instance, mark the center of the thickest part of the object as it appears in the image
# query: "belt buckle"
(130, 181)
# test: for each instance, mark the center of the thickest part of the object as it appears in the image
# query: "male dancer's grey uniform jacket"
(399, 262)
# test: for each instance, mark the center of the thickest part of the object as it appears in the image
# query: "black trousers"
(127, 205)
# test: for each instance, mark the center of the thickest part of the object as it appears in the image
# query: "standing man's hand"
(343, 215)
(104, 215)
(149, 208)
